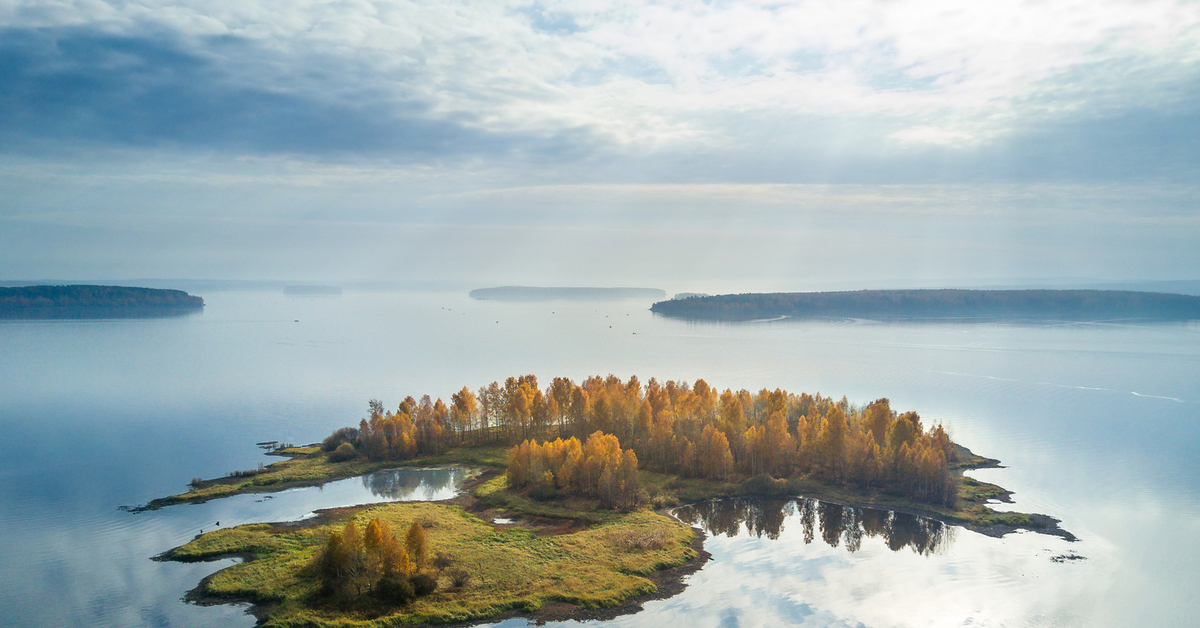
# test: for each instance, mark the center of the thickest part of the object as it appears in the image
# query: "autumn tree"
(463, 406)
(416, 545)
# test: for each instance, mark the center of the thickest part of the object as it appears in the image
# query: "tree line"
(1036, 304)
(673, 427)
(94, 296)
(599, 469)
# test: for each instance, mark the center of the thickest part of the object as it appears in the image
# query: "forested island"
(532, 293)
(588, 472)
(1063, 305)
(85, 301)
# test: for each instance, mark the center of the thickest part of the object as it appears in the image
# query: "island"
(1060, 305)
(86, 301)
(532, 293)
(570, 513)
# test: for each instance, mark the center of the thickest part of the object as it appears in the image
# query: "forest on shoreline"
(86, 301)
(689, 430)
(1070, 305)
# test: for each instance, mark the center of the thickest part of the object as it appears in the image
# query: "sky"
(702, 146)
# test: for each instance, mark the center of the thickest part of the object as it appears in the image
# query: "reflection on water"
(431, 484)
(836, 524)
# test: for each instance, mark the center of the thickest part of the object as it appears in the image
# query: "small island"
(1034, 305)
(569, 512)
(85, 301)
(532, 293)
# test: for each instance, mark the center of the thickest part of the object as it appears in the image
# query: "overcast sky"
(685, 145)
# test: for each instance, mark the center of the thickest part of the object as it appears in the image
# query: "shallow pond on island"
(1097, 424)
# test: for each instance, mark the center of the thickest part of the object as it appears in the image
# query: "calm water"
(1098, 424)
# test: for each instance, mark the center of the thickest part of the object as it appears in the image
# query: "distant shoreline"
(536, 293)
(312, 290)
(95, 302)
(1044, 305)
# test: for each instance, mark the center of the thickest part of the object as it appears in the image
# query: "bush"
(335, 440)
(459, 578)
(423, 584)
(396, 590)
(344, 452)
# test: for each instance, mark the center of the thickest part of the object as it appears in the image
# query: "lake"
(1097, 424)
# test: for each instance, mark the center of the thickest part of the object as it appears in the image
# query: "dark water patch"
(408, 484)
(835, 524)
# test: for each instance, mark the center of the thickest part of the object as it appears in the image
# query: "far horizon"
(1178, 286)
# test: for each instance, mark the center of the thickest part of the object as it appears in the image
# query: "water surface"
(1097, 424)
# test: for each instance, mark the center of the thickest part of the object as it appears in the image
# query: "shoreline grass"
(512, 568)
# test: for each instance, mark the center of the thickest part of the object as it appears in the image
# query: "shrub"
(441, 561)
(335, 440)
(197, 482)
(344, 452)
(395, 589)
(423, 584)
(459, 578)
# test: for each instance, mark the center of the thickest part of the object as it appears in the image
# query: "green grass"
(511, 568)
(601, 559)
(309, 465)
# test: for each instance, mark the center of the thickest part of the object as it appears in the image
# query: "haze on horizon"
(686, 145)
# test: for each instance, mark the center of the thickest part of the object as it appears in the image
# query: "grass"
(309, 465)
(567, 550)
(511, 568)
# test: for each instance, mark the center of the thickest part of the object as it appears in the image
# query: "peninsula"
(86, 301)
(568, 515)
(1062, 305)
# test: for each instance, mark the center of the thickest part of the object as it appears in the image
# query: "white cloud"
(946, 72)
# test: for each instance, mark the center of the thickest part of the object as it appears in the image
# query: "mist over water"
(1097, 424)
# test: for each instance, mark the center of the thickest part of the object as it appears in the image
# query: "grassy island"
(507, 568)
(567, 513)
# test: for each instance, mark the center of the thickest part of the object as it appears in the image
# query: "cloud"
(77, 86)
(801, 91)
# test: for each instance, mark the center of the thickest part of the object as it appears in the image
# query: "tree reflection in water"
(836, 524)
(415, 484)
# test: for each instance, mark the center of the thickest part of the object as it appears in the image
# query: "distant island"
(1064, 305)
(531, 293)
(311, 290)
(41, 302)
